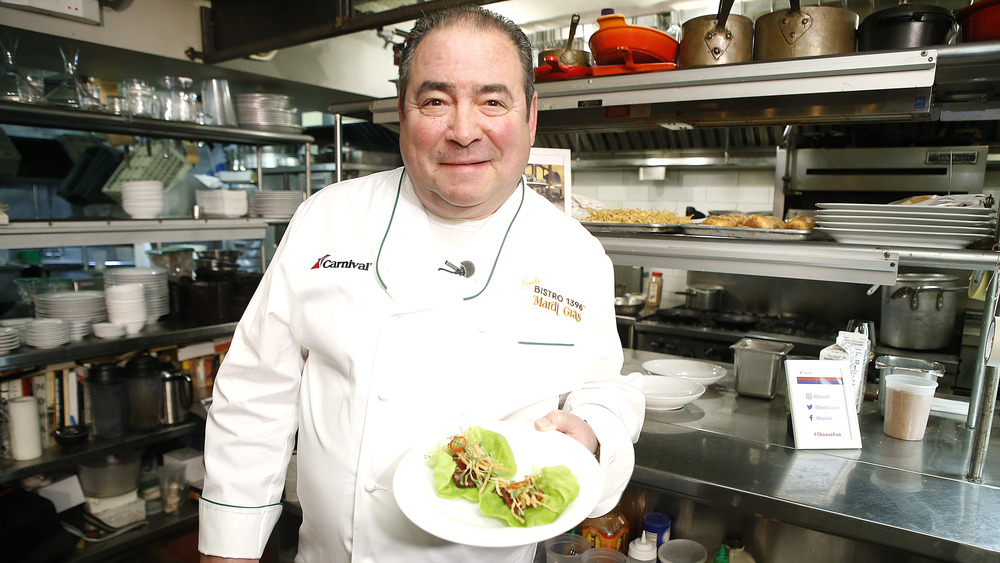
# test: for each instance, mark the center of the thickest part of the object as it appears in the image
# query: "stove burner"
(780, 326)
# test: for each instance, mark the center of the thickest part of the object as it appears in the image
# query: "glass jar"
(139, 97)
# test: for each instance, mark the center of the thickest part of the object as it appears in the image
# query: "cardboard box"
(193, 461)
(64, 494)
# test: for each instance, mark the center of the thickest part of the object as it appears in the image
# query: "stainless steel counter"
(737, 452)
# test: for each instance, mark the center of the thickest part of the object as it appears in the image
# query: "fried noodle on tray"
(635, 215)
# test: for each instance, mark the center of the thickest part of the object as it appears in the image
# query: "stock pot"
(701, 297)
(716, 39)
(804, 31)
(919, 311)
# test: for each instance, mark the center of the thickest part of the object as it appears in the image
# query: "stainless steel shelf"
(824, 261)
(57, 458)
(35, 234)
(15, 113)
(152, 336)
(876, 86)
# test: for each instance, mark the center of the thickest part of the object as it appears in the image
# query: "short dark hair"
(481, 19)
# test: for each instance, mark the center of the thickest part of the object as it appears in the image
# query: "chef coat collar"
(397, 215)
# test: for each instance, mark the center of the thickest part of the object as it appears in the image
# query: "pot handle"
(725, 6)
(914, 302)
(189, 396)
(575, 21)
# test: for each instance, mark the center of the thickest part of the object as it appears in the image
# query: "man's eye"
(432, 103)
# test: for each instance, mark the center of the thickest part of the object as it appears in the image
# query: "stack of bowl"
(126, 306)
(142, 199)
(226, 204)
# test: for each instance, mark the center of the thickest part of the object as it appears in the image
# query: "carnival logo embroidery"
(326, 262)
(553, 301)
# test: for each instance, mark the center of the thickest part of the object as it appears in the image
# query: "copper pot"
(567, 55)
(804, 32)
(716, 39)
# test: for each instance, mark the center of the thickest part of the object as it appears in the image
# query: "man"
(411, 301)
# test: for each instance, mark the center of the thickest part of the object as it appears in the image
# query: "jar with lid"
(610, 530)
(737, 550)
(139, 97)
(145, 392)
(108, 400)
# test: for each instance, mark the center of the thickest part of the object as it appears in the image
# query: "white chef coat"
(356, 341)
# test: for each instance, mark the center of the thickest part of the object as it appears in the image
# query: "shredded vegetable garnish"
(521, 495)
(635, 215)
(474, 465)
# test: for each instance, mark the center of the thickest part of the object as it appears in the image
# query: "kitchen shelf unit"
(34, 234)
(911, 85)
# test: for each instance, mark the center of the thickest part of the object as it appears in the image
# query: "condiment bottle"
(737, 550)
(654, 291)
(642, 550)
(721, 556)
(656, 527)
(610, 530)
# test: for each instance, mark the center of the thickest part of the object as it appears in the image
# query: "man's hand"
(570, 425)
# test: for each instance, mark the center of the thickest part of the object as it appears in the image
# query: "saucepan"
(716, 39)
(804, 31)
(629, 304)
(980, 21)
(702, 297)
(568, 55)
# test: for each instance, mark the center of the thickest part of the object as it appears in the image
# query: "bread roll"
(764, 222)
(721, 221)
(801, 223)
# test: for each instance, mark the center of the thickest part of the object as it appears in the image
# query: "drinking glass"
(866, 328)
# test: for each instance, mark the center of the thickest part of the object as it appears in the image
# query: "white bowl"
(108, 330)
(133, 327)
(703, 372)
(665, 393)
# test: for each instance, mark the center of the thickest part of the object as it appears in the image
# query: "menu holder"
(821, 397)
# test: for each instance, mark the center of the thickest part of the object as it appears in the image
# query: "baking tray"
(747, 232)
(632, 227)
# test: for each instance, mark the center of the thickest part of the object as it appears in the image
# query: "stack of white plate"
(275, 204)
(127, 306)
(222, 203)
(108, 330)
(154, 283)
(266, 112)
(142, 199)
(47, 333)
(71, 305)
(79, 329)
(905, 225)
(18, 324)
(10, 338)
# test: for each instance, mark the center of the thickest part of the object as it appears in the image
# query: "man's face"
(465, 126)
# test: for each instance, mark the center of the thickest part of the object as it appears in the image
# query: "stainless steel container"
(898, 365)
(919, 312)
(758, 366)
(703, 297)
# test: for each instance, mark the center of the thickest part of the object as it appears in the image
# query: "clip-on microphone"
(466, 269)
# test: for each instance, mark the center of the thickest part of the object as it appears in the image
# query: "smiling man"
(354, 366)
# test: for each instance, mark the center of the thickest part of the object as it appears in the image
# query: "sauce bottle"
(654, 291)
(610, 530)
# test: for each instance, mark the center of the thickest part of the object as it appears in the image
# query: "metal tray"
(747, 232)
(632, 227)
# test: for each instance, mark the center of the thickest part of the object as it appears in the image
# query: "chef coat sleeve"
(613, 404)
(251, 425)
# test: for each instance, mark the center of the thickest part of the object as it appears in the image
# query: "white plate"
(890, 219)
(664, 393)
(921, 211)
(695, 370)
(924, 238)
(459, 521)
(982, 231)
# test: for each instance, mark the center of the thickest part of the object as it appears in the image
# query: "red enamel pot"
(646, 45)
(980, 21)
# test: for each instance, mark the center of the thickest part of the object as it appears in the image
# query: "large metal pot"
(919, 312)
(806, 31)
(702, 297)
(716, 39)
(905, 27)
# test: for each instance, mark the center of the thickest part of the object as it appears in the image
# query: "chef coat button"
(371, 487)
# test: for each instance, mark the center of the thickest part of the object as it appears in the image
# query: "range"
(691, 333)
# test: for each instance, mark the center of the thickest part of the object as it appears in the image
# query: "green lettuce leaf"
(557, 482)
(444, 466)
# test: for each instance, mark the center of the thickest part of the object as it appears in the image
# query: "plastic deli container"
(758, 365)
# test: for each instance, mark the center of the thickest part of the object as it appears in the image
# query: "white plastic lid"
(642, 549)
(910, 384)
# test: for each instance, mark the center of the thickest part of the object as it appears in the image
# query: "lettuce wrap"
(555, 488)
(442, 461)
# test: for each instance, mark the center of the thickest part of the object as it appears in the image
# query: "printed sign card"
(821, 396)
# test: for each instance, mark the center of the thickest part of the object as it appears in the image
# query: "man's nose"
(466, 126)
